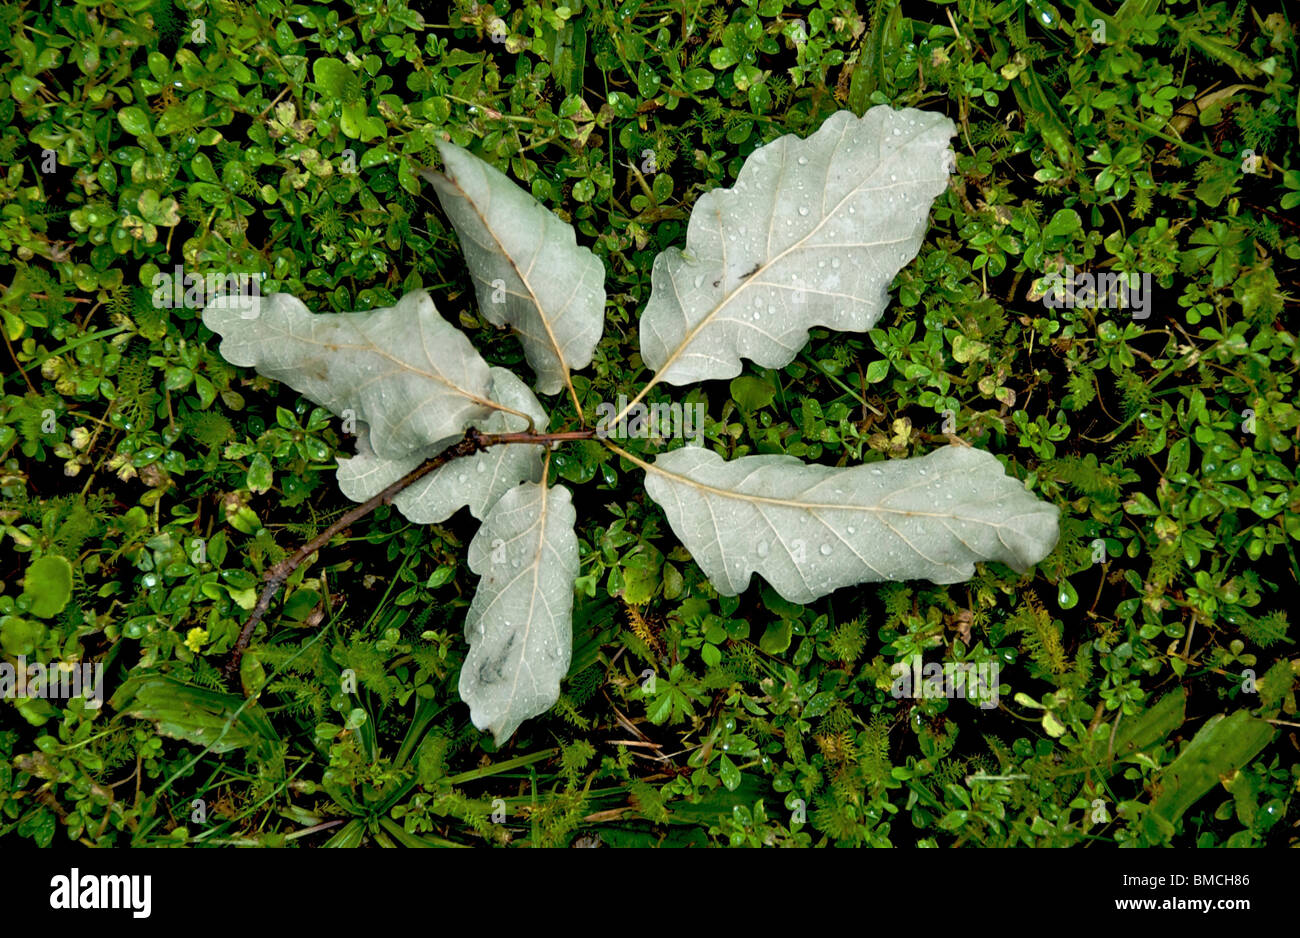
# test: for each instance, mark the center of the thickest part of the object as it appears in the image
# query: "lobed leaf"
(408, 374)
(812, 234)
(520, 624)
(811, 529)
(527, 267)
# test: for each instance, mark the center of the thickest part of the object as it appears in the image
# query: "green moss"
(126, 441)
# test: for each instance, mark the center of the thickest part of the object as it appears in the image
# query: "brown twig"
(276, 575)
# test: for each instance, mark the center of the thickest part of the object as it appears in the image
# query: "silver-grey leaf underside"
(810, 529)
(812, 234)
(408, 374)
(520, 623)
(528, 270)
(475, 481)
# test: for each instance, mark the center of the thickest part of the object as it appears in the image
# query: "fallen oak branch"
(275, 576)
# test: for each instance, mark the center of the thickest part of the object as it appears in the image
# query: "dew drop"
(803, 210)
(826, 550)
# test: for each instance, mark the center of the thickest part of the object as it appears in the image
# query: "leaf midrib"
(532, 294)
(813, 506)
(764, 266)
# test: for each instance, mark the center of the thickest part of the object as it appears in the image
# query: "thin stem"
(842, 386)
(492, 112)
(21, 370)
(628, 456)
(1176, 141)
(493, 439)
(76, 343)
(636, 400)
(474, 441)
